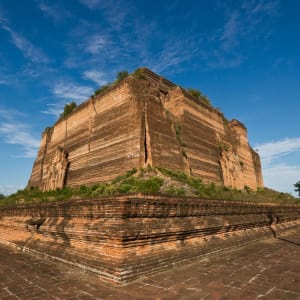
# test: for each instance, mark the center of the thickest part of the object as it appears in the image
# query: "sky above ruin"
(244, 55)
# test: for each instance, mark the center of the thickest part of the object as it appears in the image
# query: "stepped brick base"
(124, 238)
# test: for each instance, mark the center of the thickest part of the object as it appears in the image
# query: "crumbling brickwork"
(145, 120)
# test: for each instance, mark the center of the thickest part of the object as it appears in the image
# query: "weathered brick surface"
(141, 122)
(123, 238)
(267, 269)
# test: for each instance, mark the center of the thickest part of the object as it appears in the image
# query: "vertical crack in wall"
(92, 121)
(147, 145)
(48, 133)
(65, 176)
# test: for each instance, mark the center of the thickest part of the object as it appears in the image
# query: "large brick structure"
(124, 238)
(145, 120)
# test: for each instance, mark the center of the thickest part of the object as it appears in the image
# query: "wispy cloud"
(71, 92)
(55, 109)
(91, 3)
(56, 12)
(95, 43)
(278, 173)
(3, 82)
(30, 51)
(116, 13)
(12, 131)
(245, 23)
(281, 177)
(96, 76)
(128, 40)
(66, 92)
(271, 151)
(229, 35)
(174, 52)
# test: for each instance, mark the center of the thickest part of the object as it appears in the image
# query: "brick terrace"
(269, 269)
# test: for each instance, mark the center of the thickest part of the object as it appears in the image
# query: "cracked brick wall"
(139, 122)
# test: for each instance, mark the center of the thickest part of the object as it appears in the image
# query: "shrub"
(195, 93)
(223, 146)
(122, 177)
(198, 95)
(151, 185)
(121, 75)
(139, 73)
(101, 89)
(69, 107)
(174, 191)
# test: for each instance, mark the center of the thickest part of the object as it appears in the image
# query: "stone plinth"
(123, 238)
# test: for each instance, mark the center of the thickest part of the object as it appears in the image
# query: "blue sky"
(244, 55)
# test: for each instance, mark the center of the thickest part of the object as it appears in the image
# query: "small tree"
(2, 196)
(197, 94)
(121, 75)
(69, 107)
(102, 88)
(297, 187)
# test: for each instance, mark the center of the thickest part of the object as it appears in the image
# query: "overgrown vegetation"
(150, 180)
(198, 95)
(101, 89)
(223, 146)
(119, 77)
(139, 73)
(69, 107)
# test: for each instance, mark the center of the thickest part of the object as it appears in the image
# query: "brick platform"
(268, 269)
(123, 238)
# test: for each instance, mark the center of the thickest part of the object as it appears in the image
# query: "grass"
(150, 180)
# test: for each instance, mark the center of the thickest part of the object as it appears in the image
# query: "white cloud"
(281, 177)
(50, 11)
(26, 47)
(68, 92)
(274, 150)
(116, 12)
(256, 7)
(95, 44)
(71, 92)
(15, 132)
(277, 172)
(245, 23)
(174, 52)
(230, 32)
(95, 76)
(54, 109)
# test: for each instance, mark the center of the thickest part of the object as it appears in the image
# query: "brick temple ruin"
(145, 120)
(142, 120)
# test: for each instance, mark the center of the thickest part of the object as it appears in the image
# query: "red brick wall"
(122, 238)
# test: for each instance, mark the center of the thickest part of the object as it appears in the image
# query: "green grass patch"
(150, 180)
